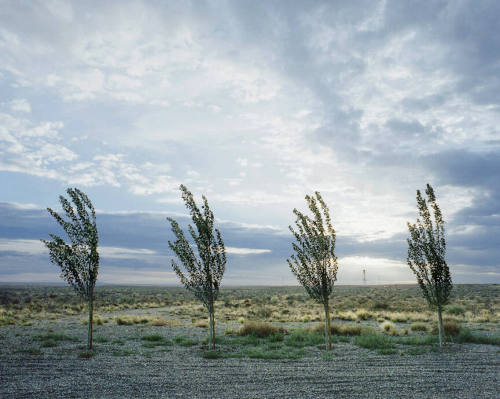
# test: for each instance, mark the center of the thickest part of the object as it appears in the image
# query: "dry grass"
(349, 316)
(97, 320)
(389, 328)
(201, 324)
(364, 314)
(260, 330)
(451, 328)
(340, 329)
(418, 326)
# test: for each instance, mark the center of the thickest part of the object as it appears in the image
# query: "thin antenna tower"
(364, 276)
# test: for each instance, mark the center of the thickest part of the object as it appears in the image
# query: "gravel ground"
(459, 371)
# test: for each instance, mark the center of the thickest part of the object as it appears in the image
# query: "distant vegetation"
(476, 304)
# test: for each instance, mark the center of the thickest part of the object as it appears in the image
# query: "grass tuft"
(418, 326)
(153, 337)
(467, 335)
(374, 341)
(184, 341)
(304, 337)
(261, 330)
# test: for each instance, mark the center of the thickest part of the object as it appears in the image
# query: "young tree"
(78, 259)
(426, 255)
(314, 262)
(205, 271)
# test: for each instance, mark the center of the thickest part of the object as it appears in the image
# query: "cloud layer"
(256, 105)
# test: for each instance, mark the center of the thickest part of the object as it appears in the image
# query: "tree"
(78, 259)
(426, 255)
(205, 271)
(314, 262)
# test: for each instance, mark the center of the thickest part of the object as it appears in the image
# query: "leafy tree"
(426, 255)
(78, 258)
(314, 262)
(205, 269)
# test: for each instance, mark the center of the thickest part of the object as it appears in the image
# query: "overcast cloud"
(254, 104)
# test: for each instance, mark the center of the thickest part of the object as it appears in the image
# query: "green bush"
(456, 310)
(302, 337)
(418, 326)
(152, 337)
(467, 335)
(185, 341)
(374, 341)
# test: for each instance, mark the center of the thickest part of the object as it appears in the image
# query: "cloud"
(20, 105)
(136, 243)
(246, 251)
(255, 107)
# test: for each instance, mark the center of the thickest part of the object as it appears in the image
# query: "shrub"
(451, 328)
(185, 341)
(302, 337)
(456, 310)
(418, 326)
(363, 314)
(213, 354)
(159, 322)
(380, 305)
(388, 327)
(152, 337)
(465, 335)
(374, 341)
(340, 329)
(350, 315)
(201, 324)
(260, 330)
(399, 317)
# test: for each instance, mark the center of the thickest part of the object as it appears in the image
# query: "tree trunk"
(211, 338)
(440, 327)
(328, 334)
(213, 327)
(91, 318)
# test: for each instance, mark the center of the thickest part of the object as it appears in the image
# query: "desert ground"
(151, 342)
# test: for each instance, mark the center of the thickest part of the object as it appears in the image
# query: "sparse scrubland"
(153, 326)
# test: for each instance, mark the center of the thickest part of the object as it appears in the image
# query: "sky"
(255, 105)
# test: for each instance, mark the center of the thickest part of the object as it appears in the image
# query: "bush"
(374, 341)
(456, 310)
(451, 328)
(349, 315)
(363, 314)
(339, 329)
(260, 330)
(399, 317)
(388, 327)
(380, 305)
(184, 341)
(418, 326)
(201, 324)
(465, 335)
(301, 338)
(213, 354)
(152, 337)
